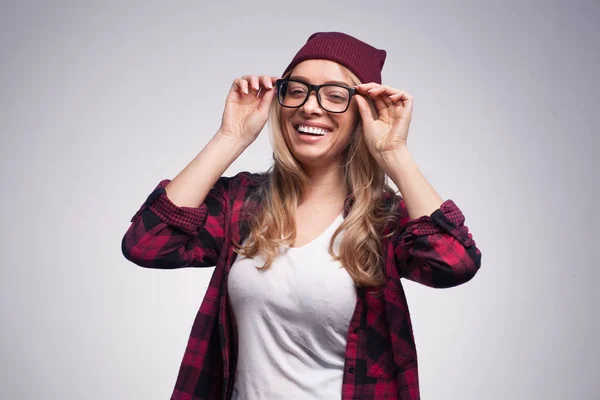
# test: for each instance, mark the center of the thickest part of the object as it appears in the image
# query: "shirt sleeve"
(437, 250)
(166, 236)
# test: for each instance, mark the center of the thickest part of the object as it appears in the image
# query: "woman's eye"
(338, 98)
(296, 92)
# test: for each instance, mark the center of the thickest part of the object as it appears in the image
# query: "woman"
(305, 301)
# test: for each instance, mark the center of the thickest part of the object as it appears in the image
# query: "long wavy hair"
(274, 224)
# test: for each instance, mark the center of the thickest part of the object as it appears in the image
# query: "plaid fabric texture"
(381, 357)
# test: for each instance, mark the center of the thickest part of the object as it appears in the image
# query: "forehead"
(321, 71)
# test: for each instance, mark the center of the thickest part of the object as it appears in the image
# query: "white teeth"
(312, 130)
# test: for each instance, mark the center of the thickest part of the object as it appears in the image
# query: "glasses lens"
(292, 94)
(334, 98)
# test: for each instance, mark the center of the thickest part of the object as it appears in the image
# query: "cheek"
(285, 114)
(285, 117)
(348, 121)
(287, 133)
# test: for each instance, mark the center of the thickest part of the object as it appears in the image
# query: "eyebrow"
(302, 78)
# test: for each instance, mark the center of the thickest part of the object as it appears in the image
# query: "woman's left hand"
(387, 131)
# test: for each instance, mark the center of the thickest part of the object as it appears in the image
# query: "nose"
(311, 106)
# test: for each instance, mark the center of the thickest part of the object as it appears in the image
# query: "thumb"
(267, 98)
(364, 108)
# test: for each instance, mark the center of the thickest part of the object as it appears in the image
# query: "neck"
(326, 184)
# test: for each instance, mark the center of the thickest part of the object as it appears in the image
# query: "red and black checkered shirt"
(381, 357)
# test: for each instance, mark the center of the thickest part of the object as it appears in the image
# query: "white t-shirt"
(292, 322)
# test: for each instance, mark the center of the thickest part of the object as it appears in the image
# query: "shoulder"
(246, 181)
(246, 187)
(241, 180)
(246, 178)
(390, 200)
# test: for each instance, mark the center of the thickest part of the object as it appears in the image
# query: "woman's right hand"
(247, 107)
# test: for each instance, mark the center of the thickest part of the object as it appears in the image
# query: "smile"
(312, 130)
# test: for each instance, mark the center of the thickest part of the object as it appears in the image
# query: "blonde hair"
(360, 251)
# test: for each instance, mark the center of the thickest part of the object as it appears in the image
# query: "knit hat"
(364, 60)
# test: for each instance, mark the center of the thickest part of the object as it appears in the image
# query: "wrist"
(394, 159)
(232, 141)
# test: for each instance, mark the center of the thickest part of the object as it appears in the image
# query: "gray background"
(100, 101)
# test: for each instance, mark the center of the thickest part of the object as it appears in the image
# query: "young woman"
(305, 301)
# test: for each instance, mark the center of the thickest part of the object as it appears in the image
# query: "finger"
(266, 84)
(385, 90)
(376, 93)
(364, 109)
(401, 96)
(252, 82)
(241, 85)
(387, 101)
(266, 81)
(364, 87)
(379, 94)
(391, 96)
(377, 90)
(397, 97)
(381, 102)
(266, 100)
(245, 88)
(404, 99)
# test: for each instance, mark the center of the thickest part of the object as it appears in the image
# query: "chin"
(315, 158)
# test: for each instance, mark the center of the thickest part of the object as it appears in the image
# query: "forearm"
(419, 196)
(191, 186)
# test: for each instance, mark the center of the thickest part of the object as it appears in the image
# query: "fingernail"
(269, 85)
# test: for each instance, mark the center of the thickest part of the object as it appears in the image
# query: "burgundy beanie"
(364, 60)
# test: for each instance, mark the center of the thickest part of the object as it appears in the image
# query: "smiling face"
(314, 136)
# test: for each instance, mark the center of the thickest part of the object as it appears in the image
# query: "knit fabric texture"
(364, 60)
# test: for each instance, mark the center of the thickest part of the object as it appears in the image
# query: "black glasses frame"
(315, 88)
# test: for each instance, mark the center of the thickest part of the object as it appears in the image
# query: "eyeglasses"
(333, 98)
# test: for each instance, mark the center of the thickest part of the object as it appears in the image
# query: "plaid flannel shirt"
(380, 358)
